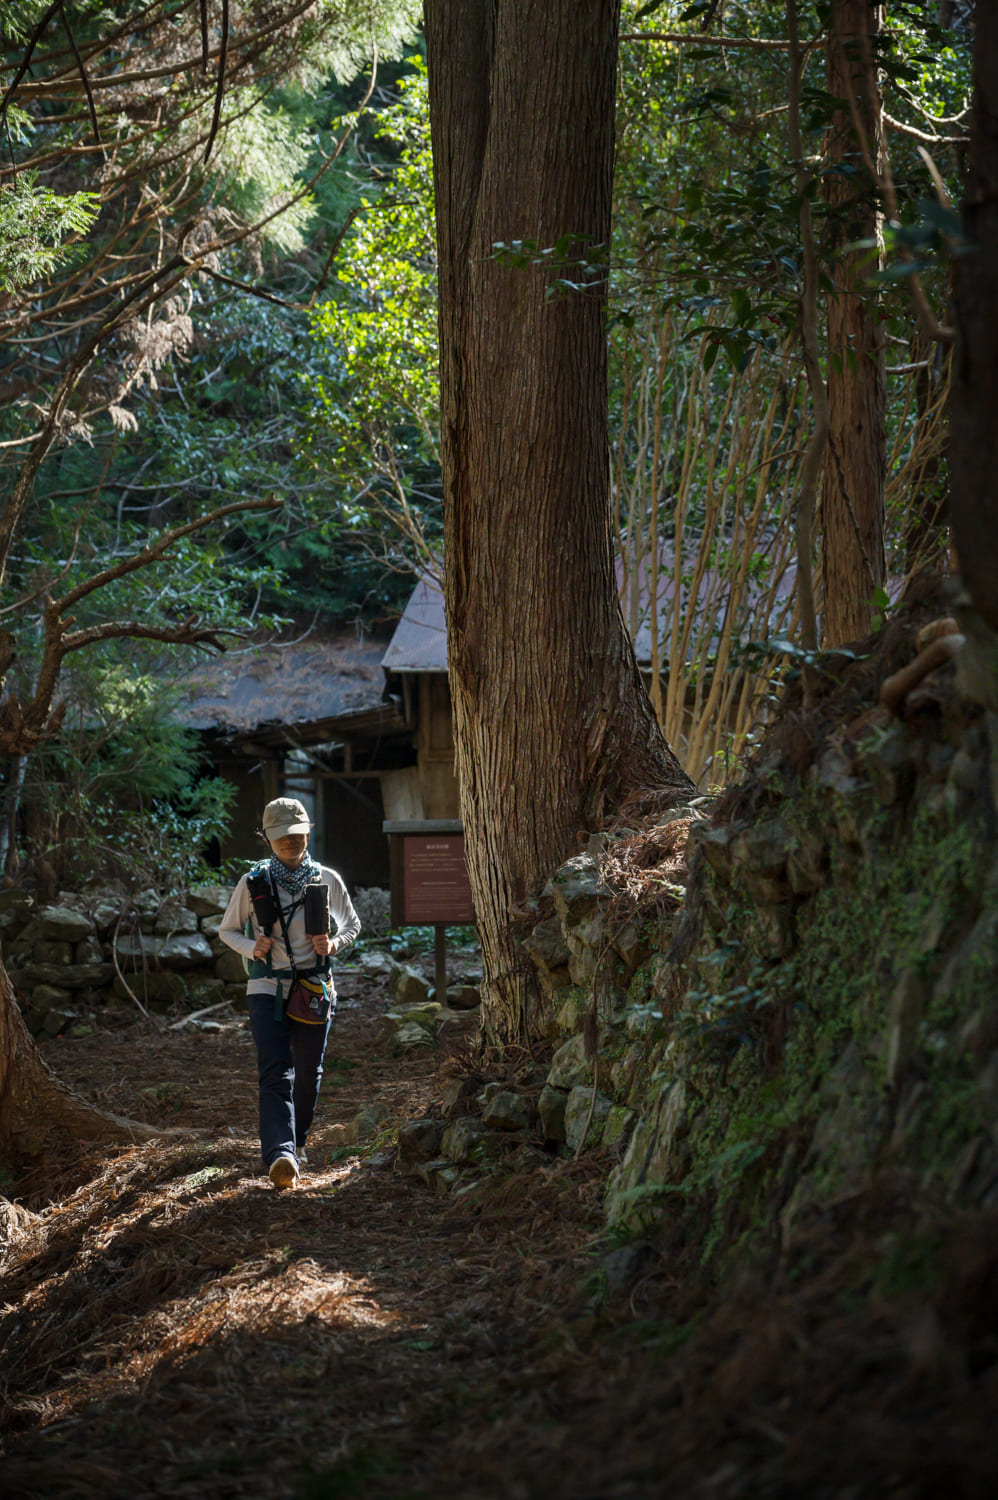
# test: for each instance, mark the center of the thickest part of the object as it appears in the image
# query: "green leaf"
(742, 304)
(649, 9)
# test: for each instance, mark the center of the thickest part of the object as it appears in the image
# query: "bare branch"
(117, 966)
(155, 550)
(755, 44)
(190, 633)
(204, 35)
(83, 74)
(220, 85)
(937, 178)
(251, 291)
(338, 239)
(135, 25)
(922, 135)
(49, 89)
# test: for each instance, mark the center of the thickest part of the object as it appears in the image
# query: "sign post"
(430, 882)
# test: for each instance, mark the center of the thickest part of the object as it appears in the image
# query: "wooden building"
(415, 663)
(307, 718)
(415, 668)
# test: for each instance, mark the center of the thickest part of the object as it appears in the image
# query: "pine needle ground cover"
(171, 1326)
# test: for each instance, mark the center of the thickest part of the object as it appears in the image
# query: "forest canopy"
(175, 184)
(219, 294)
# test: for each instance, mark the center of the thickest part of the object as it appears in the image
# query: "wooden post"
(429, 882)
(272, 768)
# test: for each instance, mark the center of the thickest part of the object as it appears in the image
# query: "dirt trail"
(178, 1328)
(175, 1327)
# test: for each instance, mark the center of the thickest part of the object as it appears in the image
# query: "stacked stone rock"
(453, 1153)
(585, 954)
(417, 1017)
(60, 958)
(577, 1103)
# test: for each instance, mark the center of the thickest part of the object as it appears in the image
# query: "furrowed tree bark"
(974, 400)
(553, 726)
(36, 1109)
(852, 503)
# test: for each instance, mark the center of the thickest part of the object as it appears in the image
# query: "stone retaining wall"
(837, 1020)
(587, 959)
(90, 949)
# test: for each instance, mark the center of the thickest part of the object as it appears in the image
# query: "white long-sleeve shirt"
(344, 924)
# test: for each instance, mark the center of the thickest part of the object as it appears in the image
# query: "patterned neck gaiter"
(294, 881)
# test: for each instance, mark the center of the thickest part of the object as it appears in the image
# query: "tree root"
(37, 1109)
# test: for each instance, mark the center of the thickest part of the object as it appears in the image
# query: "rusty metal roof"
(420, 640)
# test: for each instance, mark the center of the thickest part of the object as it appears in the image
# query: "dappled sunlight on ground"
(172, 1320)
(172, 1326)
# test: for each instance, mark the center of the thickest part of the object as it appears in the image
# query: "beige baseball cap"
(285, 815)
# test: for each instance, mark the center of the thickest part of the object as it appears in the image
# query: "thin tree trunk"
(853, 560)
(552, 724)
(974, 407)
(817, 442)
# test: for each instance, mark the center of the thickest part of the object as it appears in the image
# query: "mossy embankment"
(817, 1023)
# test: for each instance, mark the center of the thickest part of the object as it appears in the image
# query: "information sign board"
(435, 884)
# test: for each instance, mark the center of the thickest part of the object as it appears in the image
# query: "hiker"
(279, 918)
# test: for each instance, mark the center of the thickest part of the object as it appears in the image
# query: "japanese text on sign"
(436, 879)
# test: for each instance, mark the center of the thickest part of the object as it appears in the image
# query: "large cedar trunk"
(552, 723)
(36, 1110)
(974, 408)
(852, 496)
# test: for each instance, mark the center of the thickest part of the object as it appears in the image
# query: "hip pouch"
(310, 1000)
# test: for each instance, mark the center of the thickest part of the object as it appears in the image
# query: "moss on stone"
(782, 1057)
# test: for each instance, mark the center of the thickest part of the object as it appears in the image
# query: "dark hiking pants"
(289, 1056)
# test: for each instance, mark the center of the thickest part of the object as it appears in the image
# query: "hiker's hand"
(262, 946)
(321, 943)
